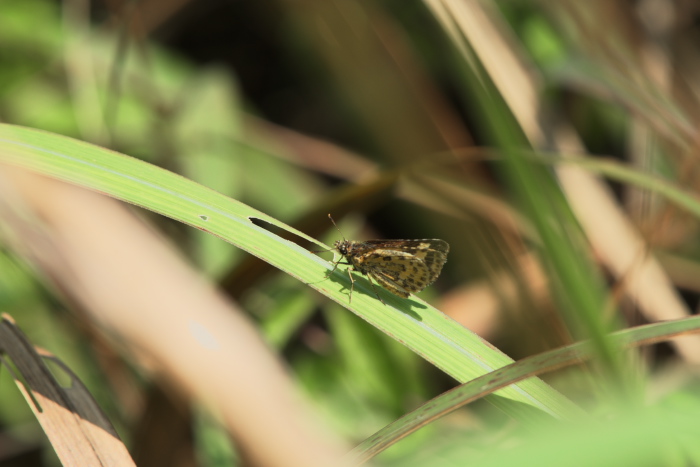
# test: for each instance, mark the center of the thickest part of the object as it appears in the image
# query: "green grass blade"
(627, 174)
(539, 364)
(575, 281)
(422, 328)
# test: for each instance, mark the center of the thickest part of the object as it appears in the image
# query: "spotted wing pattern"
(401, 266)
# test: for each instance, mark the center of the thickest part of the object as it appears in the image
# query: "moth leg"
(335, 266)
(375, 290)
(352, 284)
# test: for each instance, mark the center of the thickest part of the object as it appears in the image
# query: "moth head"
(343, 246)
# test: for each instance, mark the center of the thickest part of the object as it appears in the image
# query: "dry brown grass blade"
(79, 432)
(122, 276)
(610, 231)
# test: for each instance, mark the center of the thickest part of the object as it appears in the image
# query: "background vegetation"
(552, 144)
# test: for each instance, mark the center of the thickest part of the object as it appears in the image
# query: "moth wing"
(393, 286)
(432, 253)
(400, 272)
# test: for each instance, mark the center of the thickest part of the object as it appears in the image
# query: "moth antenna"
(336, 226)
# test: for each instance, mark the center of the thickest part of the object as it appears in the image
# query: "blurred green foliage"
(88, 81)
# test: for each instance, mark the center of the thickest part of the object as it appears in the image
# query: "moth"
(402, 267)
